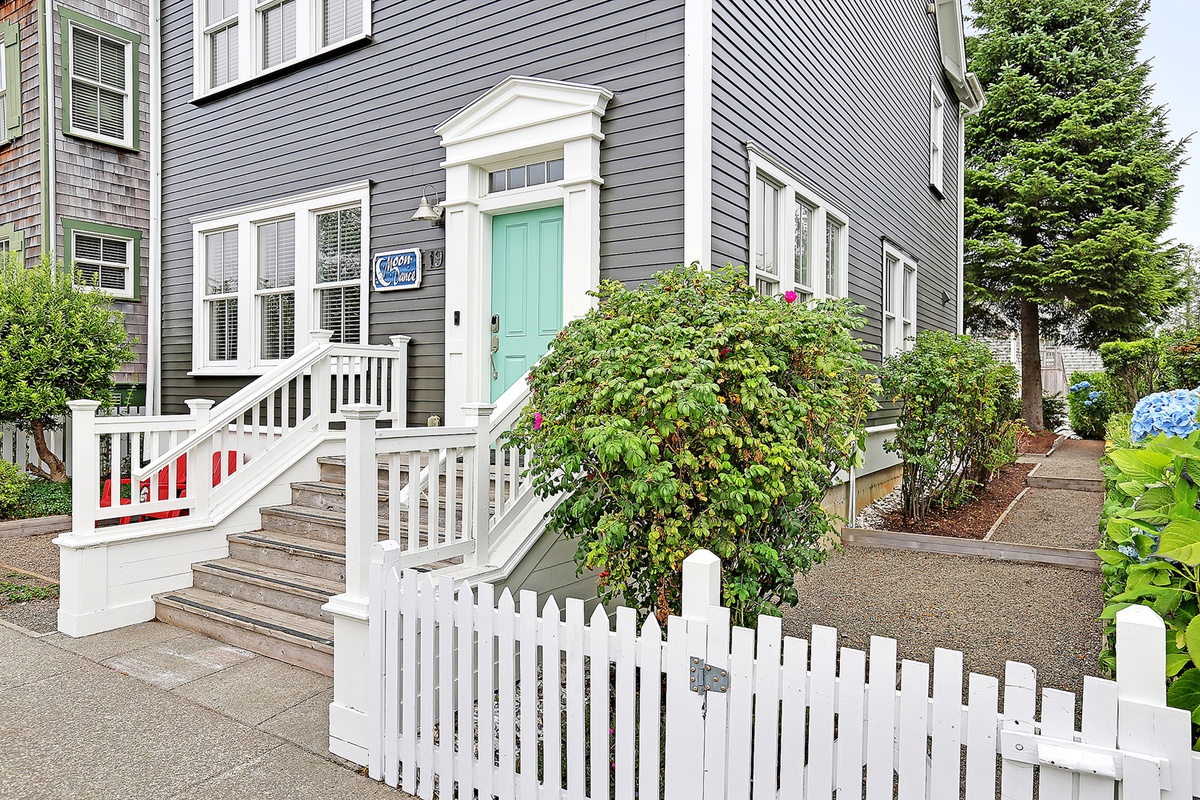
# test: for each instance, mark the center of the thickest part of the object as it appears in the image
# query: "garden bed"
(1042, 443)
(971, 521)
(27, 601)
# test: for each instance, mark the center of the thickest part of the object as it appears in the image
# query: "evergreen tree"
(1071, 179)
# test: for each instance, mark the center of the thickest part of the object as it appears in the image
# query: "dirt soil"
(1040, 442)
(973, 520)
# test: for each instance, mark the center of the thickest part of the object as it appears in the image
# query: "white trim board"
(697, 131)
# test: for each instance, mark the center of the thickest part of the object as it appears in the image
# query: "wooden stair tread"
(279, 540)
(271, 577)
(272, 622)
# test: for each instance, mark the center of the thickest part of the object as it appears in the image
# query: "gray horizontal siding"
(840, 93)
(369, 113)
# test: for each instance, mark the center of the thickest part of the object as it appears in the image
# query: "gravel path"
(1074, 458)
(1054, 518)
(992, 611)
(31, 554)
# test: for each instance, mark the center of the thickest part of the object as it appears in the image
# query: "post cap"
(361, 411)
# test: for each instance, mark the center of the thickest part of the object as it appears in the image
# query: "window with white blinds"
(102, 257)
(237, 40)
(798, 242)
(100, 84)
(290, 267)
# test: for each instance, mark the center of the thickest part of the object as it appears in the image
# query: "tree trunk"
(58, 470)
(1031, 366)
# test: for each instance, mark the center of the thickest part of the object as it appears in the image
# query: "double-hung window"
(937, 133)
(269, 274)
(237, 40)
(899, 301)
(103, 257)
(798, 241)
(100, 82)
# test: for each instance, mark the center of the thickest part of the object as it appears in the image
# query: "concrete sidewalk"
(153, 711)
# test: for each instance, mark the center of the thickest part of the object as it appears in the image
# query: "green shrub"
(1088, 403)
(1181, 360)
(59, 341)
(1054, 411)
(13, 481)
(44, 498)
(693, 412)
(1134, 370)
(1118, 431)
(957, 406)
(1151, 551)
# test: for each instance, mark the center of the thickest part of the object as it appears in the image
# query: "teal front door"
(527, 261)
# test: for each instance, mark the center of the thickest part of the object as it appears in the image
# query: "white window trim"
(123, 294)
(304, 208)
(763, 165)
(937, 137)
(130, 90)
(250, 45)
(901, 304)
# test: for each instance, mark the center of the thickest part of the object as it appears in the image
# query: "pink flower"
(790, 296)
(537, 420)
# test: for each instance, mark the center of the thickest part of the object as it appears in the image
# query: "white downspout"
(154, 280)
(50, 242)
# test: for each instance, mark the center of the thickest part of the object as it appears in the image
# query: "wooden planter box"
(1000, 551)
(35, 526)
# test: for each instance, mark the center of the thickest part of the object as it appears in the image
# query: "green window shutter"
(10, 35)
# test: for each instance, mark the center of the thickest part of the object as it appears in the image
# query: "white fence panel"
(477, 696)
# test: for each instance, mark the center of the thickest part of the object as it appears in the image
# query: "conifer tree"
(1071, 179)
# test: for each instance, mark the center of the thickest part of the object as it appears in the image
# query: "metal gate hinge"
(706, 678)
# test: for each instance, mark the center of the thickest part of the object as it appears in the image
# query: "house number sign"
(399, 269)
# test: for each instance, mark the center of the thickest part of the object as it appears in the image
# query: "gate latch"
(707, 678)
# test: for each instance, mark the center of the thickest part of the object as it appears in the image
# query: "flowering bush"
(1088, 404)
(957, 418)
(694, 412)
(1172, 413)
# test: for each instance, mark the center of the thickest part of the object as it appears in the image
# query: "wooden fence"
(470, 693)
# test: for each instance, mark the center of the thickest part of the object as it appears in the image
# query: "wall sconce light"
(946, 298)
(430, 213)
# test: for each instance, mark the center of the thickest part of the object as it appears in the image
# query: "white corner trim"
(697, 131)
(154, 245)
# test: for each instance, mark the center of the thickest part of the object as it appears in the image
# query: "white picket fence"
(470, 694)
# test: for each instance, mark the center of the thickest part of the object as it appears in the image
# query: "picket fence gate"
(472, 694)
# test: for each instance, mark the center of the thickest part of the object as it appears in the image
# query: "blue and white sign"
(400, 269)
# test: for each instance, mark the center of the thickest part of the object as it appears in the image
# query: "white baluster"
(199, 474)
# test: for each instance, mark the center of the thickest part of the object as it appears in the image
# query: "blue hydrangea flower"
(1173, 413)
(1079, 387)
(1087, 402)
(1093, 395)
(1129, 551)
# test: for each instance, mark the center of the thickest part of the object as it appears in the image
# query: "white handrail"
(239, 402)
(508, 408)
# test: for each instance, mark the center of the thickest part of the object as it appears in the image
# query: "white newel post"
(477, 512)
(321, 401)
(1145, 725)
(399, 413)
(701, 585)
(199, 474)
(348, 724)
(83, 569)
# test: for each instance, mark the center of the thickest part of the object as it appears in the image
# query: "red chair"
(164, 485)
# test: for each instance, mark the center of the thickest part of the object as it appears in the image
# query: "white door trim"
(520, 119)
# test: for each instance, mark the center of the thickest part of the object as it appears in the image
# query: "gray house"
(402, 203)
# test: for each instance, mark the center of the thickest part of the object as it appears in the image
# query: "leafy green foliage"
(1118, 431)
(956, 426)
(1181, 358)
(1134, 370)
(1054, 411)
(58, 342)
(16, 587)
(43, 498)
(1089, 405)
(13, 481)
(1071, 178)
(1151, 551)
(693, 412)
